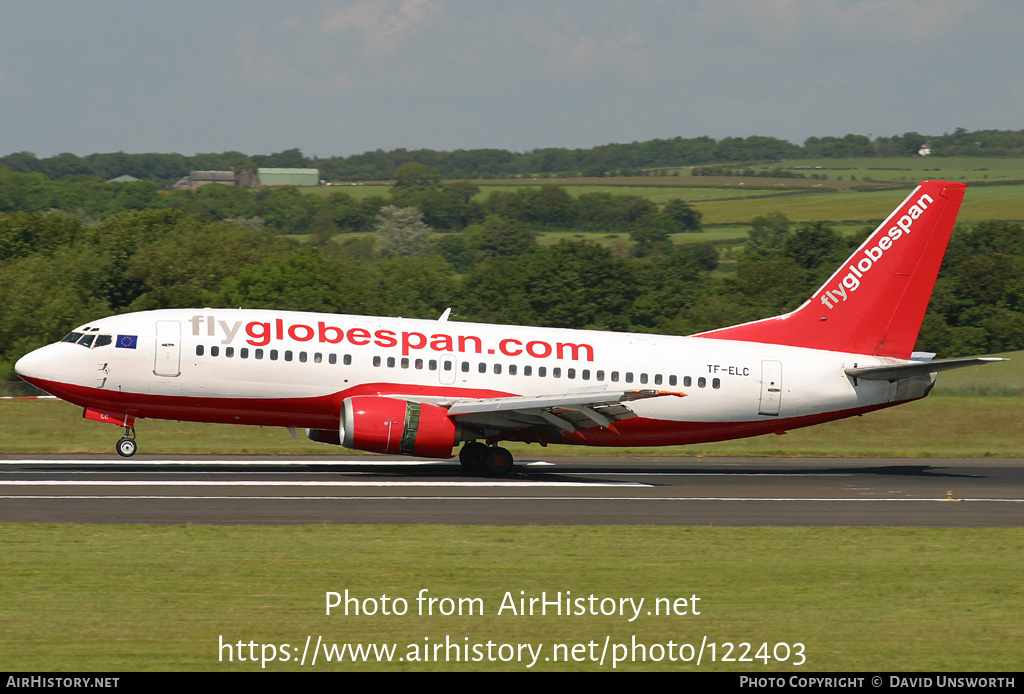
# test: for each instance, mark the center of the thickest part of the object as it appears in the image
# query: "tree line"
(611, 159)
(57, 272)
(445, 206)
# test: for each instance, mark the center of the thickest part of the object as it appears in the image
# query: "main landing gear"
(126, 445)
(491, 460)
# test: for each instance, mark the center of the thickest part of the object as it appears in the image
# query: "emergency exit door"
(771, 387)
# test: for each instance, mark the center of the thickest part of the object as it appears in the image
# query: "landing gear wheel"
(126, 447)
(498, 462)
(472, 454)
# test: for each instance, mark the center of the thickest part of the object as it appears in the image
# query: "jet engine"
(389, 425)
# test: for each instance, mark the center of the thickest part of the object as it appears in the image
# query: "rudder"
(875, 302)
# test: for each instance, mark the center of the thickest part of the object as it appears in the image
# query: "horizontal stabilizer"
(894, 371)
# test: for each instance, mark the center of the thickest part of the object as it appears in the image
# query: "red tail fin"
(875, 302)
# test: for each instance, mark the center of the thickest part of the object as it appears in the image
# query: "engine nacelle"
(388, 425)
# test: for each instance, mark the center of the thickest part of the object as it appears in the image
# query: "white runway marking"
(508, 498)
(310, 483)
(227, 463)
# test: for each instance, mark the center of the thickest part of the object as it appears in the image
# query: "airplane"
(422, 387)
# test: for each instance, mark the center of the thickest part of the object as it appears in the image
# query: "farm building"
(288, 177)
(198, 179)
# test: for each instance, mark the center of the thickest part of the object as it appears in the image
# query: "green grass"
(911, 169)
(137, 598)
(955, 426)
(1001, 378)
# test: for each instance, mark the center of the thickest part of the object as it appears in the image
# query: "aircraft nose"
(35, 365)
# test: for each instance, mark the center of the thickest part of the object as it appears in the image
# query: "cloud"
(572, 50)
(385, 24)
(784, 20)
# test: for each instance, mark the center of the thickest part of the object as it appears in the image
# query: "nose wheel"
(126, 446)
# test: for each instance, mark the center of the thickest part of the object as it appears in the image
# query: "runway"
(592, 490)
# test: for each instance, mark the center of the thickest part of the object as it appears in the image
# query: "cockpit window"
(91, 340)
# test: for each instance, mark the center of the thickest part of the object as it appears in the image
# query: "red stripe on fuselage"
(320, 412)
(323, 412)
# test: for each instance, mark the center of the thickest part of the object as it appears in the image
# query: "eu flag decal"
(127, 341)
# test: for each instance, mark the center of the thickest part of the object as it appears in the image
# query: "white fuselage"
(282, 368)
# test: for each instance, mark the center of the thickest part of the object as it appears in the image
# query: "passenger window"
(288, 355)
(405, 362)
(465, 367)
(716, 383)
(482, 368)
(318, 358)
(302, 357)
(643, 378)
(702, 382)
(376, 361)
(657, 379)
(419, 363)
(571, 373)
(391, 362)
(615, 376)
(542, 371)
(199, 350)
(687, 381)
(600, 375)
(672, 380)
(273, 355)
(259, 354)
(229, 351)
(215, 351)
(629, 377)
(556, 372)
(497, 368)
(527, 370)
(512, 369)
(244, 353)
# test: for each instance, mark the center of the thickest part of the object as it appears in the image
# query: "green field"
(137, 598)
(913, 169)
(844, 197)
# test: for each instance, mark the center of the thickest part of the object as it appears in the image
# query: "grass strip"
(943, 427)
(135, 598)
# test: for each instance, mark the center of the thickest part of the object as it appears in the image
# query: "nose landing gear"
(126, 446)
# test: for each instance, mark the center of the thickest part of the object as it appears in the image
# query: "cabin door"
(167, 361)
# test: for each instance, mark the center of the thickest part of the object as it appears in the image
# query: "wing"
(568, 412)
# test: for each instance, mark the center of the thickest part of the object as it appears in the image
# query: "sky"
(341, 77)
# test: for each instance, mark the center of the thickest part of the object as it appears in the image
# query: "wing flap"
(568, 412)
